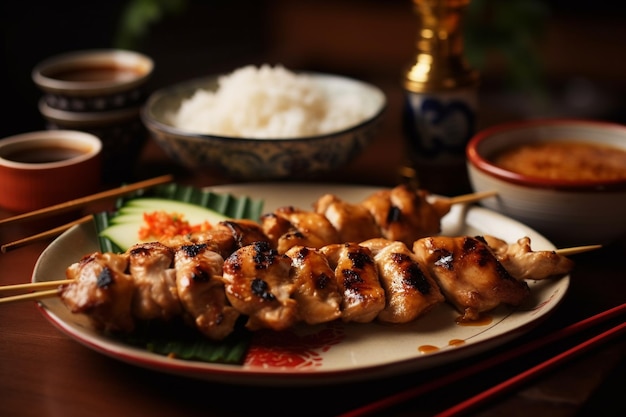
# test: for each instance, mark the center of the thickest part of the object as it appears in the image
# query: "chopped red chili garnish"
(160, 224)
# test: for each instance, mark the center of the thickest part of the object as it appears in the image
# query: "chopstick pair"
(71, 205)
(511, 383)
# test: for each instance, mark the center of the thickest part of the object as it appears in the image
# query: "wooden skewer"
(37, 295)
(40, 285)
(43, 235)
(41, 289)
(80, 202)
(576, 249)
(471, 198)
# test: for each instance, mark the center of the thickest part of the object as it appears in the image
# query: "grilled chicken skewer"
(293, 266)
(398, 214)
(378, 279)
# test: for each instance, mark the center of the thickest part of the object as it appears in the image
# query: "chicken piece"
(405, 214)
(316, 290)
(289, 226)
(410, 290)
(523, 263)
(225, 237)
(102, 290)
(353, 222)
(258, 284)
(201, 291)
(155, 297)
(469, 274)
(357, 278)
(245, 232)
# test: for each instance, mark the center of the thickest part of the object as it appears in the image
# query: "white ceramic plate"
(327, 353)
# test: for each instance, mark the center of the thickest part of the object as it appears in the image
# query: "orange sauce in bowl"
(565, 160)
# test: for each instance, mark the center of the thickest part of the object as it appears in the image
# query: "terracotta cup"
(43, 168)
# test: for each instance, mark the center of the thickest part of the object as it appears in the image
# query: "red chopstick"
(509, 384)
(465, 406)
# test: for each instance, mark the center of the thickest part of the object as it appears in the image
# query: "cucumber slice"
(124, 235)
(193, 213)
(124, 227)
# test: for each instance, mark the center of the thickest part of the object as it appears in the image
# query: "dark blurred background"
(537, 57)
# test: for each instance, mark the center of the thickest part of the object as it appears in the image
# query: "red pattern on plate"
(293, 349)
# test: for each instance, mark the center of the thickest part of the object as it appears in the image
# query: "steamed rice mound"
(268, 102)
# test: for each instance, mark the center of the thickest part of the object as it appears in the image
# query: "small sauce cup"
(94, 80)
(43, 168)
(570, 211)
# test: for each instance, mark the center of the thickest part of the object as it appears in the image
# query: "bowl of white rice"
(266, 122)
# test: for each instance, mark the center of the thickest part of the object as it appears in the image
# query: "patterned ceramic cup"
(93, 80)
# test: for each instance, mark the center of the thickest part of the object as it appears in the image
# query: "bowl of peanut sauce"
(564, 178)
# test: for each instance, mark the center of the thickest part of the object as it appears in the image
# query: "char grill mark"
(105, 278)
(414, 277)
(359, 259)
(193, 250)
(264, 255)
(261, 289)
(394, 215)
(352, 280)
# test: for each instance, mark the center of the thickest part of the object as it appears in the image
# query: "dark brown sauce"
(44, 154)
(483, 320)
(427, 349)
(97, 73)
(456, 342)
(430, 348)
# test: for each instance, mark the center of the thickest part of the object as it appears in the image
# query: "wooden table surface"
(45, 373)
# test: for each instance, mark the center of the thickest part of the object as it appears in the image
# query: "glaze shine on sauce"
(565, 160)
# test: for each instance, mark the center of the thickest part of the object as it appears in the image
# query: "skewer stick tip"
(471, 198)
(577, 249)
